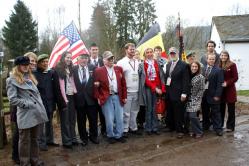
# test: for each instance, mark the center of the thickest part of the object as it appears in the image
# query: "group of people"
(120, 95)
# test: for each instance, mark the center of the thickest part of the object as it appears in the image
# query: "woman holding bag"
(151, 84)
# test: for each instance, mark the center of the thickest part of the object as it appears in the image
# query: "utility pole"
(79, 19)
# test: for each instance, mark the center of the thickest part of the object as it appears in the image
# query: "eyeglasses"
(111, 59)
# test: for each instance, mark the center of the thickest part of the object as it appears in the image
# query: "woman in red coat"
(229, 96)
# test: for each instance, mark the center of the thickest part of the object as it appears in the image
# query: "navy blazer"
(180, 80)
(84, 93)
(215, 79)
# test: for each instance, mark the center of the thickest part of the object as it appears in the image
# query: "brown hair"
(199, 66)
(18, 75)
(228, 63)
(211, 41)
(158, 47)
(127, 45)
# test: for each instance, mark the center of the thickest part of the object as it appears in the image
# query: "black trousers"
(211, 115)
(90, 113)
(175, 116)
(15, 139)
(230, 124)
(101, 119)
(141, 116)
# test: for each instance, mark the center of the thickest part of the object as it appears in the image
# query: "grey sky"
(193, 12)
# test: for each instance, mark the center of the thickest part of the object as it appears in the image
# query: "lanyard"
(134, 66)
(110, 77)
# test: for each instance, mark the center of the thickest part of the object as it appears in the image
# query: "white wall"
(216, 38)
(239, 53)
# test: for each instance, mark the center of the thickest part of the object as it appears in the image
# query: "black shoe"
(94, 140)
(219, 133)
(148, 132)
(68, 146)
(111, 140)
(53, 144)
(155, 132)
(180, 135)
(136, 132)
(121, 139)
(84, 142)
(43, 148)
(125, 134)
(16, 160)
(75, 143)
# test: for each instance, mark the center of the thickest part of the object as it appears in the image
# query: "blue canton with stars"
(71, 33)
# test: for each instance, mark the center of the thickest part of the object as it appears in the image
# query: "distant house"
(232, 34)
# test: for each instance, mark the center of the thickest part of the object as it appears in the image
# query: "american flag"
(69, 40)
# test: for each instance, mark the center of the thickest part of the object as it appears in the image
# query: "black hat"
(21, 60)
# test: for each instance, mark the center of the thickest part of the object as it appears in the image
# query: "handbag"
(160, 105)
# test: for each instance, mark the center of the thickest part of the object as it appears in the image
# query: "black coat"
(46, 88)
(215, 79)
(100, 62)
(84, 93)
(180, 80)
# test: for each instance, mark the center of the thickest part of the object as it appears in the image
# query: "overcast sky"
(193, 12)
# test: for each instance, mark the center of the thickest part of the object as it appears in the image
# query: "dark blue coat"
(215, 79)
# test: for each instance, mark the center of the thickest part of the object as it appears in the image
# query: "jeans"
(113, 112)
(151, 121)
(131, 109)
(194, 123)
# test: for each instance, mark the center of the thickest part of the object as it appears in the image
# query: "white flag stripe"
(59, 45)
(78, 50)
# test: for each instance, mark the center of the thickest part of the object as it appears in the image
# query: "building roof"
(232, 28)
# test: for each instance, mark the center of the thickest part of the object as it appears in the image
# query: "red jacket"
(102, 92)
(230, 77)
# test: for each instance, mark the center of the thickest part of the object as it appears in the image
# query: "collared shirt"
(80, 72)
(113, 85)
(130, 69)
(94, 62)
(172, 66)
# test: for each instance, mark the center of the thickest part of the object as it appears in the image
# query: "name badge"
(206, 85)
(135, 77)
(168, 81)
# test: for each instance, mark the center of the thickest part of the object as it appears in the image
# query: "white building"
(232, 34)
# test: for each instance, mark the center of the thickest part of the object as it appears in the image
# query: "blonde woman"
(33, 60)
(23, 93)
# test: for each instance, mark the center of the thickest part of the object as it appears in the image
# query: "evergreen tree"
(124, 12)
(132, 19)
(145, 16)
(20, 33)
(102, 30)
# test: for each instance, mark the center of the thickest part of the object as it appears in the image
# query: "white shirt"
(130, 69)
(80, 73)
(112, 79)
(92, 61)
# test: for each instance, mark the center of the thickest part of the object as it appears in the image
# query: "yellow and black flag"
(152, 39)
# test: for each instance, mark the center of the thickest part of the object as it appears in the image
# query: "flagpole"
(180, 37)
(79, 20)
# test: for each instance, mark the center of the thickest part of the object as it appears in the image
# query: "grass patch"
(6, 104)
(243, 93)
